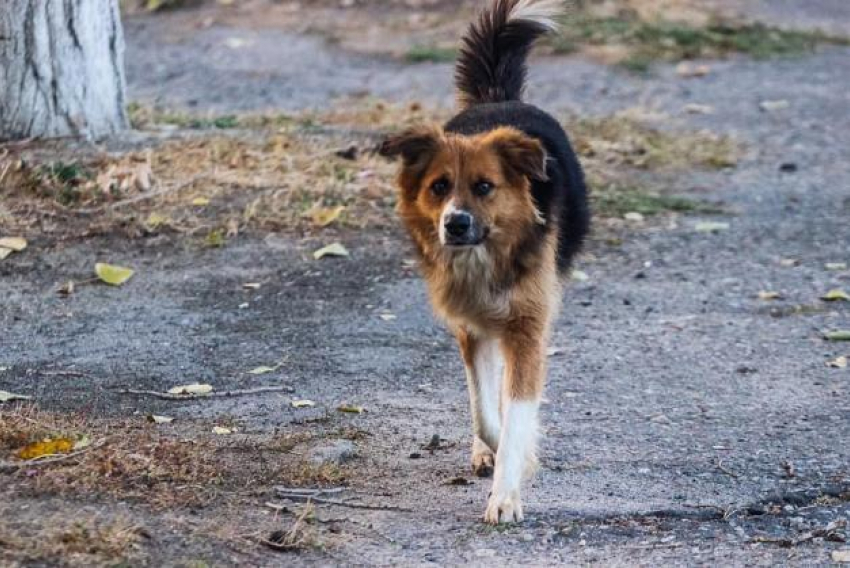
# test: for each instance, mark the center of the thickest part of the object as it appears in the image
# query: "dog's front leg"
(524, 351)
(483, 361)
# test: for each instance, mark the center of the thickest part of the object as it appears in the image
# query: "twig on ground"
(141, 197)
(214, 394)
(314, 496)
(725, 470)
(295, 537)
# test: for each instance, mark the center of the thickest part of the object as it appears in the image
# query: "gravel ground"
(686, 420)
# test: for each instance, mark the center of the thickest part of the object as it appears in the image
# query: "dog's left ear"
(521, 154)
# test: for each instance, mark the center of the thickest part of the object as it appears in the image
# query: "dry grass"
(163, 466)
(279, 173)
(60, 540)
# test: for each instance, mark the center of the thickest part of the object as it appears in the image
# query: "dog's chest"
(466, 291)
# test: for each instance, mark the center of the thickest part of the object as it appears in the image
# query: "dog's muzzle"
(460, 229)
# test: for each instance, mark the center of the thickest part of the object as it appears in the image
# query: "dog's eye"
(440, 187)
(483, 188)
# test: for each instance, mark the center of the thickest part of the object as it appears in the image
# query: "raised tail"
(491, 65)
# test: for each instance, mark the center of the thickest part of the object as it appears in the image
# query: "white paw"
(503, 508)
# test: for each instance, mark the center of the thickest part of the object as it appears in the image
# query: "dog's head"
(465, 191)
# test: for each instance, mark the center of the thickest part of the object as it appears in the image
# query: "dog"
(496, 206)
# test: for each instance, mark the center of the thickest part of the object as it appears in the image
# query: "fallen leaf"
(694, 108)
(156, 419)
(839, 335)
(335, 249)
(838, 363)
(251, 285)
(836, 295)
(16, 244)
(303, 403)
(388, 317)
(4, 252)
(222, 431)
(579, 276)
(351, 409)
(111, 274)
(46, 447)
(324, 216)
(6, 396)
(836, 265)
(263, 369)
(194, 388)
(156, 220)
(769, 295)
(789, 262)
(215, 239)
(200, 201)
(771, 106)
(633, 216)
(686, 70)
(711, 226)
(841, 555)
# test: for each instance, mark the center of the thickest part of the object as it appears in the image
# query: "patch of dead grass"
(256, 175)
(70, 541)
(174, 465)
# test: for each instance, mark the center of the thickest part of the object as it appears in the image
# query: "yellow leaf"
(6, 396)
(112, 275)
(251, 285)
(303, 403)
(156, 220)
(838, 335)
(838, 363)
(215, 239)
(222, 431)
(324, 216)
(263, 369)
(335, 249)
(711, 226)
(836, 266)
(4, 252)
(835, 296)
(200, 201)
(388, 317)
(769, 295)
(46, 448)
(194, 388)
(17, 244)
(156, 419)
(351, 409)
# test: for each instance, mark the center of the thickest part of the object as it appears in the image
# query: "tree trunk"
(61, 68)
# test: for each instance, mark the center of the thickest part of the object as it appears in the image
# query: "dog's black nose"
(458, 224)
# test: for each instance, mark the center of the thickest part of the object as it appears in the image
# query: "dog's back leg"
(483, 360)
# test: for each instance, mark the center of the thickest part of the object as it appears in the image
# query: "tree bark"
(61, 69)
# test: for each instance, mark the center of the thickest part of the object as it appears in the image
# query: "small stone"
(335, 452)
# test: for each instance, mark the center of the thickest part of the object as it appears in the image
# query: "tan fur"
(476, 289)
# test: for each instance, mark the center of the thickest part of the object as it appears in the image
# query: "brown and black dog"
(496, 205)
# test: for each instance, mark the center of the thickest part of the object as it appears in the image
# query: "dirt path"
(685, 419)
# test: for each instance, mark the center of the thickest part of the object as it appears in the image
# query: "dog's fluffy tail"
(491, 64)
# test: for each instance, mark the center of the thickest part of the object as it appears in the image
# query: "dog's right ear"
(416, 146)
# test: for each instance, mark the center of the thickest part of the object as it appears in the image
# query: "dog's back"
(490, 77)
